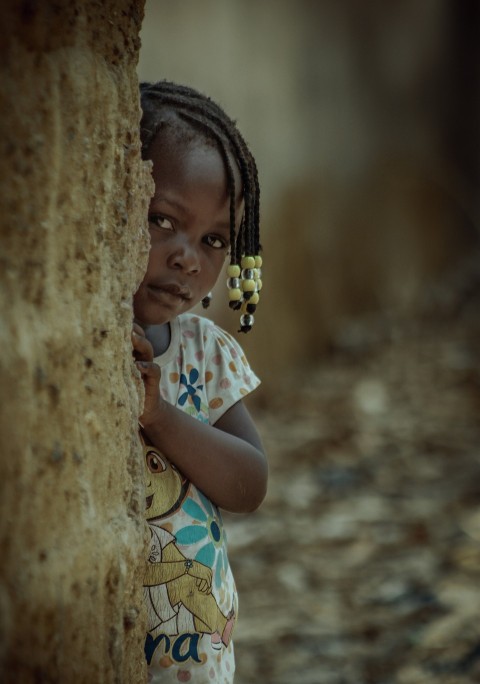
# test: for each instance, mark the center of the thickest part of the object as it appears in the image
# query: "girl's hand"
(143, 354)
(142, 349)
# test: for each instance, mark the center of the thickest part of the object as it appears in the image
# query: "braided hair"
(197, 115)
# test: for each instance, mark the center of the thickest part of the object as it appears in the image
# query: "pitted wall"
(74, 244)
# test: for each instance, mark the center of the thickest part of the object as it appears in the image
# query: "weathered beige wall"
(73, 244)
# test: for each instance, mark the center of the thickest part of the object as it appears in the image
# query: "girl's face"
(189, 223)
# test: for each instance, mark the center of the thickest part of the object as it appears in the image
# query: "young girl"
(202, 450)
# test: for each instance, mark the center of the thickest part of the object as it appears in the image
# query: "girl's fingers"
(149, 369)
(142, 349)
(138, 329)
(150, 373)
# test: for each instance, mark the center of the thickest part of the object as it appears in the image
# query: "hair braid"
(206, 118)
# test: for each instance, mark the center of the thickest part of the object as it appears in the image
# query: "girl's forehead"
(173, 128)
(174, 144)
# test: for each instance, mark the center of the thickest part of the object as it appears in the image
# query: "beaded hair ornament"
(208, 119)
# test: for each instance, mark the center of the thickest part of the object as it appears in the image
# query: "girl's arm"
(225, 461)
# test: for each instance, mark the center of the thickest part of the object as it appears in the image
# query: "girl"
(202, 450)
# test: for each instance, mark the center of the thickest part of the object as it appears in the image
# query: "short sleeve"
(228, 375)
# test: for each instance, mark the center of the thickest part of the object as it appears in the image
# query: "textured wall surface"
(73, 245)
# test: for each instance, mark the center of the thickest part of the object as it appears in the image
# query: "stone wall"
(74, 243)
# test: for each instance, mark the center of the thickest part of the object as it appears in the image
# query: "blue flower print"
(208, 536)
(191, 390)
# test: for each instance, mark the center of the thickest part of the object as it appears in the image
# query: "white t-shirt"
(204, 373)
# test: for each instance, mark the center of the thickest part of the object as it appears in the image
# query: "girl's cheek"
(157, 252)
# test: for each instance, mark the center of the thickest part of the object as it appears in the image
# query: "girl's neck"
(159, 337)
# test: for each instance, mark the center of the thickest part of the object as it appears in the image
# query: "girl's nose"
(185, 257)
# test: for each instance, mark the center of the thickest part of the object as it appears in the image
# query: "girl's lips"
(171, 289)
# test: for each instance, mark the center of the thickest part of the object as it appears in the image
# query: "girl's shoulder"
(214, 366)
(204, 333)
(213, 346)
(195, 324)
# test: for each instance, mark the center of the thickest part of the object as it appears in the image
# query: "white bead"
(247, 320)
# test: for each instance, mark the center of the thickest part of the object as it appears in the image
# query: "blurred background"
(363, 563)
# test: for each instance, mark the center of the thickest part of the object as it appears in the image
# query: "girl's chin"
(151, 315)
(144, 318)
(144, 321)
(160, 308)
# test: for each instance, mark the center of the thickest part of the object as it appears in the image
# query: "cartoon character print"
(180, 603)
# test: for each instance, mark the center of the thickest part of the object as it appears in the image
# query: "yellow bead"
(258, 261)
(248, 262)
(255, 298)
(259, 284)
(233, 271)
(235, 294)
(248, 285)
(243, 308)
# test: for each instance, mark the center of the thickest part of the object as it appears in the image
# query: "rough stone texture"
(74, 243)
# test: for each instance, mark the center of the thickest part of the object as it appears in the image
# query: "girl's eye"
(215, 242)
(160, 221)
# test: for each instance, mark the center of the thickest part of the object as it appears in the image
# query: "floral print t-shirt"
(189, 588)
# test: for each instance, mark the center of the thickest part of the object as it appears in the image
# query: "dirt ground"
(363, 564)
